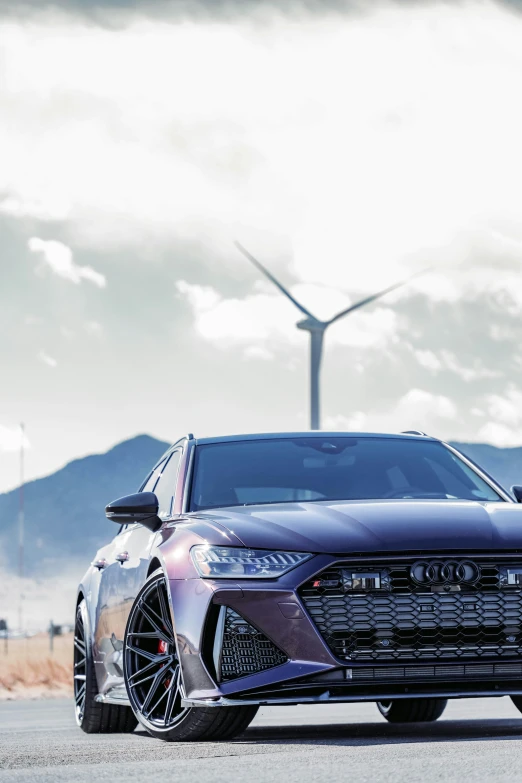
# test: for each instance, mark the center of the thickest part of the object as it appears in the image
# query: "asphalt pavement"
(476, 740)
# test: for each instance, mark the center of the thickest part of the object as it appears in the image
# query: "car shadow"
(379, 733)
(385, 733)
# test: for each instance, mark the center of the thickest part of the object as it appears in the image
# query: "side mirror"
(517, 492)
(141, 507)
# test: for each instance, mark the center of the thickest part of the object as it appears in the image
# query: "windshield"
(251, 472)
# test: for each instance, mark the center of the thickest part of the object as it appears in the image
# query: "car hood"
(351, 527)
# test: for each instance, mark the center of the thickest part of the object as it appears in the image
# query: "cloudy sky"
(346, 144)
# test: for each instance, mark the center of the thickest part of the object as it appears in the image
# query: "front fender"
(175, 540)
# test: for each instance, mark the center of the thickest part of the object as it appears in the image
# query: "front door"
(121, 580)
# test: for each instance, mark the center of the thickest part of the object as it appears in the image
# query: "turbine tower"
(317, 329)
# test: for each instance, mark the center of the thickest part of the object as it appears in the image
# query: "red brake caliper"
(163, 649)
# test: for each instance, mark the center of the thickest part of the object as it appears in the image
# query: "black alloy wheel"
(92, 716)
(152, 671)
(153, 676)
(412, 710)
(80, 667)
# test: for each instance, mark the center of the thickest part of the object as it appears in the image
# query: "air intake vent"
(244, 649)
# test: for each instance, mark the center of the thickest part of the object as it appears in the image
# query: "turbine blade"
(378, 295)
(276, 282)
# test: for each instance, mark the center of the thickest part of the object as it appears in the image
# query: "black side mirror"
(517, 492)
(142, 508)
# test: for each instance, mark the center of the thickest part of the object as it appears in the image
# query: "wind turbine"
(317, 328)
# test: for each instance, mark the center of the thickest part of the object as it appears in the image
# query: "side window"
(152, 479)
(166, 486)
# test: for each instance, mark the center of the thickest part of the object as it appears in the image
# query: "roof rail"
(415, 432)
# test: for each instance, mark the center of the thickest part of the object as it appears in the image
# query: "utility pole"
(21, 531)
(5, 629)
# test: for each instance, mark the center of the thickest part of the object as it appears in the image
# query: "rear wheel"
(412, 710)
(92, 716)
(153, 676)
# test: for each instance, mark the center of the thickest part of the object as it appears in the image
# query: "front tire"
(91, 716)
(153, 676)
(412, 710)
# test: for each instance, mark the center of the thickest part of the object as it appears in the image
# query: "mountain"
(505, 465)
(64, 511)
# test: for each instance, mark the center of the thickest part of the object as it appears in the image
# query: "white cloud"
(258, 352)
(417, 409)
(420, 405)
(201, 298)
(438, 415)
(355, 165)
(47, 209)
(33, 320)
(447, 360)
(428, 360)
(504, 413)
(343, 176)
(506, 408)
(468, 374)
(271, 318)
(498, 434)
(59, 259)
(93, 328)
(68, 334)
(502, 333)
(357, 422)
(11, 438)
(46, 359)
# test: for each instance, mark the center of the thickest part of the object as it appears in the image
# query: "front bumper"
(311, 672)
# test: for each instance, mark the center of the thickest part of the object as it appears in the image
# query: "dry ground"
(28, 669)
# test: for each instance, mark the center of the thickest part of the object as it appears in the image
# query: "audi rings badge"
(444, 572)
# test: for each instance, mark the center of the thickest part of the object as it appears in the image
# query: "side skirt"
(114, 696)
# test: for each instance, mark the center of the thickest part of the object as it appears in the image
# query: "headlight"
(217, 562)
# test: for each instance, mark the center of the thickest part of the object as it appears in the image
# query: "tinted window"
(339, 468)
(165, 488)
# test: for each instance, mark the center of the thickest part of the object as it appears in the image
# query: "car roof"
(311, 434)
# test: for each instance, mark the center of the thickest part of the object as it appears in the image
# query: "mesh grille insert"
(245, 649)
(402, 621)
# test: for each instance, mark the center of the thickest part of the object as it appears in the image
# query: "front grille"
(245, 650)
(404, 621)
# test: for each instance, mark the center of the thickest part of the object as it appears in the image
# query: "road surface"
(476, 740)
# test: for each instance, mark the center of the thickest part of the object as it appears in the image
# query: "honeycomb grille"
(246, 650)
(400, 622)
